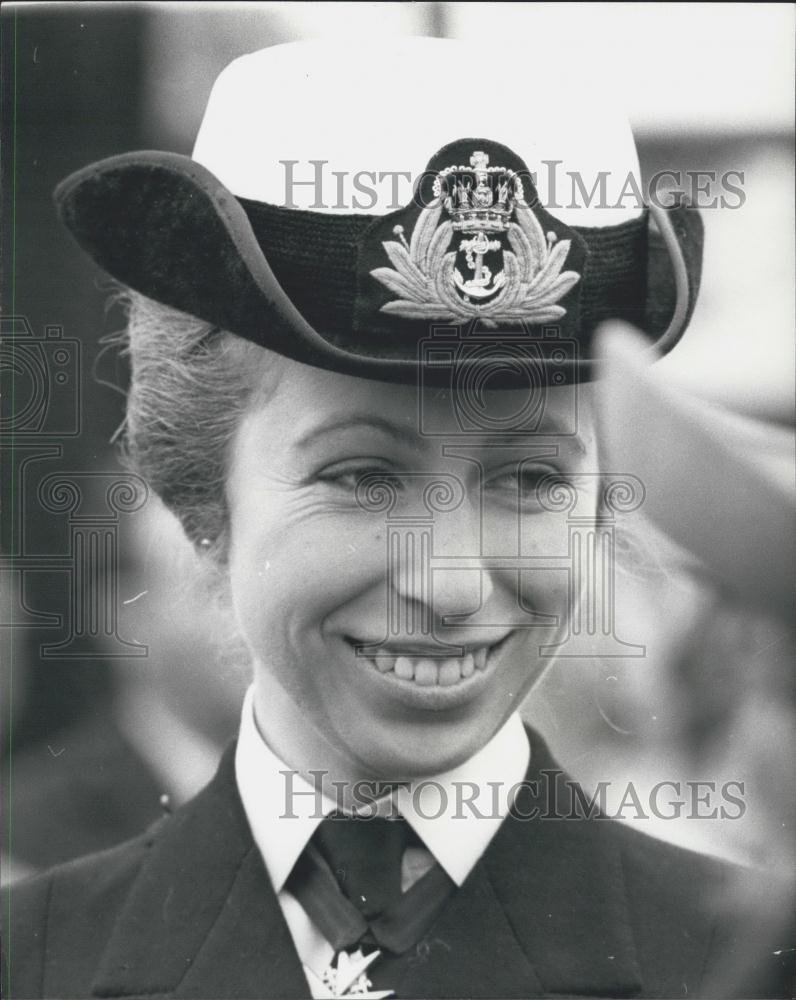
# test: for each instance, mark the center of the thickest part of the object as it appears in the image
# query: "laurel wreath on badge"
(425, 275)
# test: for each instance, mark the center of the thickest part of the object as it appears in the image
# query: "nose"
(446, 592)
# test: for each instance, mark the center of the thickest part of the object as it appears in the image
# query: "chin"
(423, 748)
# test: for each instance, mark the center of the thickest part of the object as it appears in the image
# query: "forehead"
(308, 400)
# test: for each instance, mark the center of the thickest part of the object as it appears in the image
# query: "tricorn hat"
(361, 207)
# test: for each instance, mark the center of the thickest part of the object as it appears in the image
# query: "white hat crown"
(347, 126)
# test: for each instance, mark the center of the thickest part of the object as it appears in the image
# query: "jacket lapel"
(561, 886)
(543, 912)
(202, 918)
(472, 951)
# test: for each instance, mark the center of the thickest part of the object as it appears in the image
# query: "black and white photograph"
(398, 452)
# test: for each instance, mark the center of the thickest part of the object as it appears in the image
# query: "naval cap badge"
(477, 251)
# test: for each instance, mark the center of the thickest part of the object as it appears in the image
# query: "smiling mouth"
(422, 670)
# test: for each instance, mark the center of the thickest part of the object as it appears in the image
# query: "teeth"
(427, 671)
(449, 673)
(404, 668)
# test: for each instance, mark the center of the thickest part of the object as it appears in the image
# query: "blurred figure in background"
(144, 735)
(182, 706)
(721, 485)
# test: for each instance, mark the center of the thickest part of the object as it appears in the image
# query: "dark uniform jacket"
(558, 908)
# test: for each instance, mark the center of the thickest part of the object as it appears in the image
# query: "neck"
(303, 748)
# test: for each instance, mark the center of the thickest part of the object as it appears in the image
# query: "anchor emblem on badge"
(480, 286)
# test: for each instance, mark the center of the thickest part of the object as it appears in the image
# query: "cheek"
(552, 541)
(261, 582)
(290, 571)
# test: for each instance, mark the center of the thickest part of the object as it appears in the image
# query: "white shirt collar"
(456, 814)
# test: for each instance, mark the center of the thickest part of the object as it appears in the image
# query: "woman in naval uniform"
(370, 407)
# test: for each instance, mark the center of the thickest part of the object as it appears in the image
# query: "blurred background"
(94, 723)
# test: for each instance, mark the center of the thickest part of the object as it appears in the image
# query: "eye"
(516, 484)
(346, 475)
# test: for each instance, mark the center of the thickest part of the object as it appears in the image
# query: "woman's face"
(317, 570)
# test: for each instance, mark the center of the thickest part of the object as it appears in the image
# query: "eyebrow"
(563, 440)
(405, 435)
(401, 434)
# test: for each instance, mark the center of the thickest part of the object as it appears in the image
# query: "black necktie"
(348, 880)
(365, 857)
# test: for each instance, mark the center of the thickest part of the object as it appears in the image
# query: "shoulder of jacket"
(93, 870)
(649, 858)
(26, 902)
(94, 884)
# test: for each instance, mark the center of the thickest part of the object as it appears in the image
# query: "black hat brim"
(165, 226)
